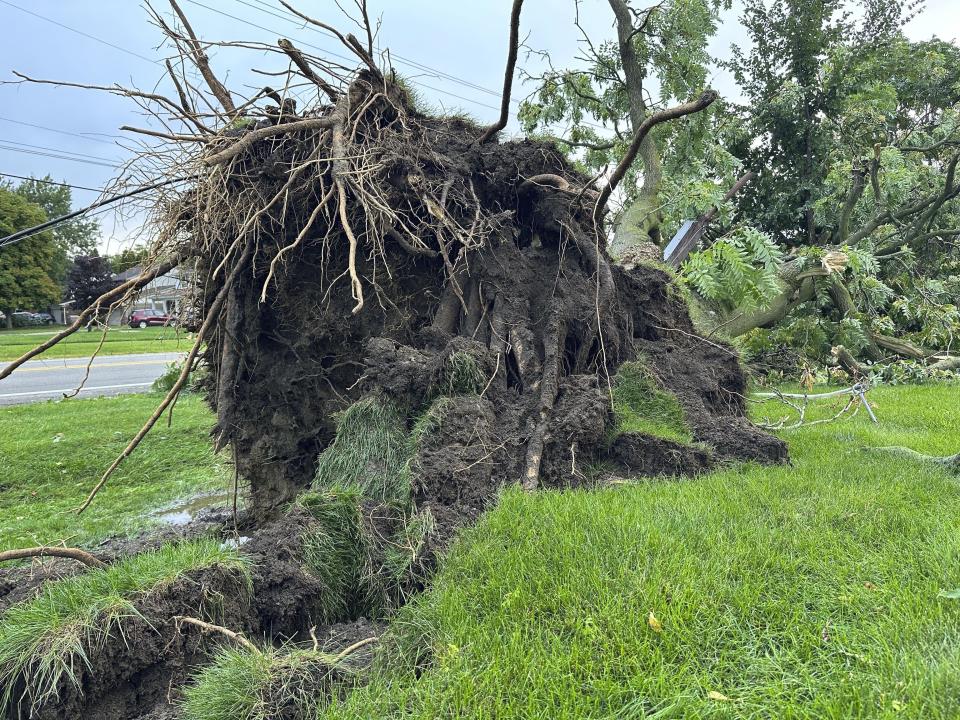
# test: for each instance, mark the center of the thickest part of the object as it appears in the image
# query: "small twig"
(698, 337)
(211, 628)
(350, 649)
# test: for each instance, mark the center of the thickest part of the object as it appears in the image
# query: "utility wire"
(85, 156)
(28, 232)
(85, 136)
(56, 156)
(50, 182)
(80, 32)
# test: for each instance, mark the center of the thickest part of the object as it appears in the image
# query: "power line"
(50, 182)
(80, 32)
(86, 156)
(85, 136)
(28, 232)
(57, 156)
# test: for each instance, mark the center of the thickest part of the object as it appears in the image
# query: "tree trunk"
(641, 220)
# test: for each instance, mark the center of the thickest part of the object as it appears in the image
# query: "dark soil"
(139, 672)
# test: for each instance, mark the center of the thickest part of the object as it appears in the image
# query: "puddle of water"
(234, 542)
(187, 510)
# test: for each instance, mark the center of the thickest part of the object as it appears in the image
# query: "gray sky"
(464, 39)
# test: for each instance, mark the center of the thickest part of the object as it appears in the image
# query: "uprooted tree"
(357, 259)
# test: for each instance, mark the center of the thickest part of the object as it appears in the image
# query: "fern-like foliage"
(739, 270)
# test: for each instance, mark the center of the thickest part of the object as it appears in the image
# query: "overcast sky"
(112, 41)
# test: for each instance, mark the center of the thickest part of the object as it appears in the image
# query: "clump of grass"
(640, 404)
(333, 550)
(363, 551)
(367, 541)
(45, 641)
(460, 375)
(400, 556)
(369, 451)
(242, 684)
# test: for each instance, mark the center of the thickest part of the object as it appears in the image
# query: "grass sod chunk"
(364, 552)
(640, 404)
(804, 592)
(369, 452)
(334, 549)
(45, 641)
(274, 683)
(461, 375)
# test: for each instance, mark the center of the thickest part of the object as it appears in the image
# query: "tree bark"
(641, 220)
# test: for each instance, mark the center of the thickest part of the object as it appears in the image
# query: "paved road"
(49, 379)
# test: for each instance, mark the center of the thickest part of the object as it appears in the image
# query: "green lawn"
(119, 341)
(809, 591)
(52, 454)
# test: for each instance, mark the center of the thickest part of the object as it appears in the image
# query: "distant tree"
(89, 277)
(76, 237)
(25, 278)
(128, 258)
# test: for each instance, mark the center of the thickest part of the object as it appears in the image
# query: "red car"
(144, 318)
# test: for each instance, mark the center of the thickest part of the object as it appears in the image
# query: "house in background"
(166, 293)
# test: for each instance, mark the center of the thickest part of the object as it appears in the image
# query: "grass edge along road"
(804, 591)
(53, 453)
(82, 344)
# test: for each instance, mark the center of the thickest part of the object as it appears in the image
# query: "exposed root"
(211, 628)
(63, 552)
(548, 396)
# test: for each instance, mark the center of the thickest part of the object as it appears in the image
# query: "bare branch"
(202, 62)
(301, 62)
(501, 123)
(646, 126)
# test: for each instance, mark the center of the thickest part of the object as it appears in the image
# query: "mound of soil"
(539, 306)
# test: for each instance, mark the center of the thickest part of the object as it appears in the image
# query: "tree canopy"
(25, 280)
(846, 235)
